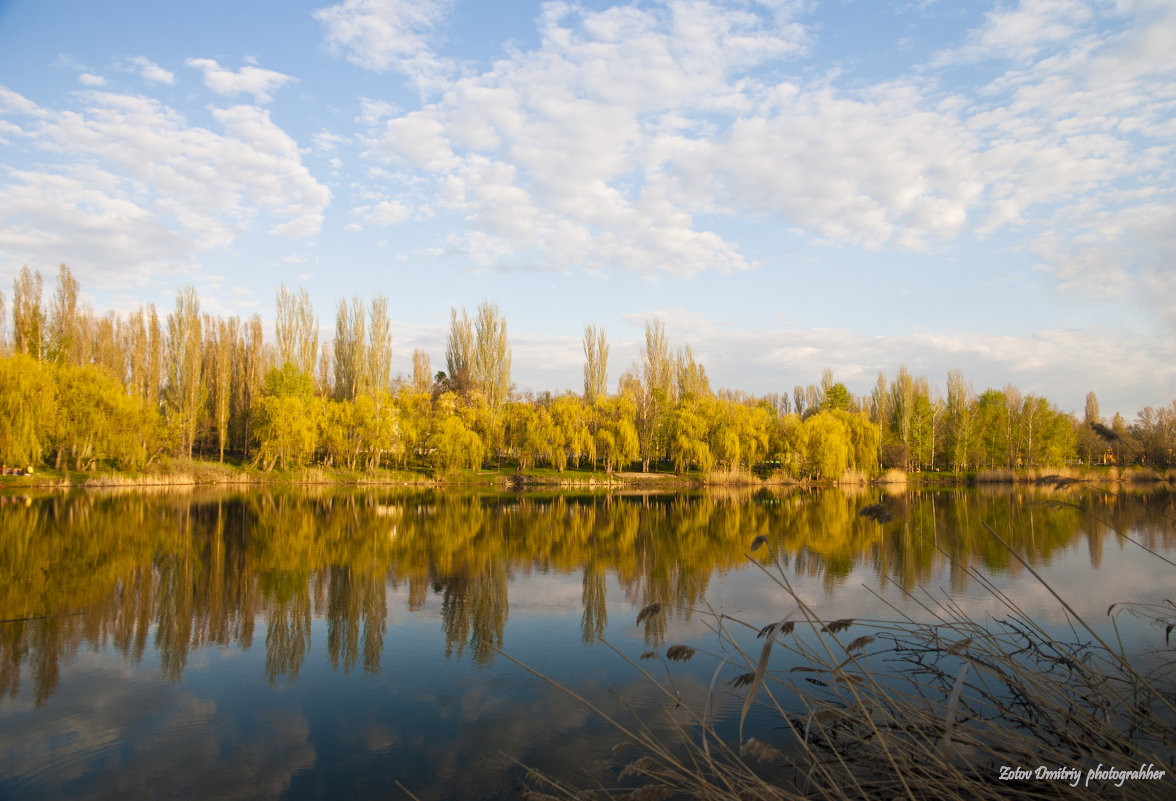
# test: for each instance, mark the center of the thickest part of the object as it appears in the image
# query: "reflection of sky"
(449, 728)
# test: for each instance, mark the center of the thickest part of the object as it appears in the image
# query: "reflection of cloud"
(115, 735)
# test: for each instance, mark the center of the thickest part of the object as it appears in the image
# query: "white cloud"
(628, 135)
(327, 142)
(1022, 32)
(555, 157)
(381, 35)
(88, 220)
(90, 79)
(151, 72)
(248, 80)
(385, 213)
(137, 187)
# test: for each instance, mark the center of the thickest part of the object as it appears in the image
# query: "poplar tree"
(28, 318)
(422, 376)
(459, 350)
(64, 340)
(184, 352)
(296, 330)
(221, 351)
(902, 401)
(350, 349)
(656, 388)
(324, 381)
(251, 367)
(155, 354)
(379, 348)
(595, 365)
(491, 364)
(961, 403)
(1090, 414)
(691, 376)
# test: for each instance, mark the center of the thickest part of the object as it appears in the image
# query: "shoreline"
(197, 473)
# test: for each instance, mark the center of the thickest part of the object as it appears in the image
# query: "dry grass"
(853, 477)
(731, 478)
(900, 709)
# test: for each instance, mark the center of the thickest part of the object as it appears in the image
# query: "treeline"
(80, 390)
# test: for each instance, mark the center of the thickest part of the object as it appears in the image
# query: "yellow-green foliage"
(27, 405)
(75, 416)
(93, 388)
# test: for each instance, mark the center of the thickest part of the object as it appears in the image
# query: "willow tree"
(184, 387)
(595, 364)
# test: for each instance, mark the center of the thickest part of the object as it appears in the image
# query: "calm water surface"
(329, 644)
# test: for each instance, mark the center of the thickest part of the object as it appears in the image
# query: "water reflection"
(181, 571)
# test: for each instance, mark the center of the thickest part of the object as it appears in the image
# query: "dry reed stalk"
(931, 710)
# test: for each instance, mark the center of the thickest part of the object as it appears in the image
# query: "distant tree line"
(80, 390)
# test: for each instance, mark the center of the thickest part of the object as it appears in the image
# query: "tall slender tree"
(422, 376)
(595, 364)
(296, 330)
(253, 365)
(459, 350)
(28, 318)
(350, 349)
(491, 365)
(222, 338)
(691, 378)
(64, 337)
(961, 403)
(185, 388)
(657, 389)
(379, 350)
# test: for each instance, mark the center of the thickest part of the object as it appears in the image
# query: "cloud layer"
(626, 137)
(124, 183)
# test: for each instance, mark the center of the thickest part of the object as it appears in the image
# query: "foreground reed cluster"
(948, 707)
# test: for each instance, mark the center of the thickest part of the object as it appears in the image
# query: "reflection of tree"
(375, 621)
(287, 636)
(187, 570)
(473, 612)
(595, 616)
(173, 635)
(355, 604)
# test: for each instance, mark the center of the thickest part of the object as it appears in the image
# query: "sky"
(789, 185)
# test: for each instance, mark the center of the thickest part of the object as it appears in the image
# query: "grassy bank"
(184, 472)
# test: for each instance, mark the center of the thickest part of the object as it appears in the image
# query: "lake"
(332, 643)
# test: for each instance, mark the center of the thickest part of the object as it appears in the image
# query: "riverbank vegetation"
(88, 392)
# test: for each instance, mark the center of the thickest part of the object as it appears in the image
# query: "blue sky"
(789, 185)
